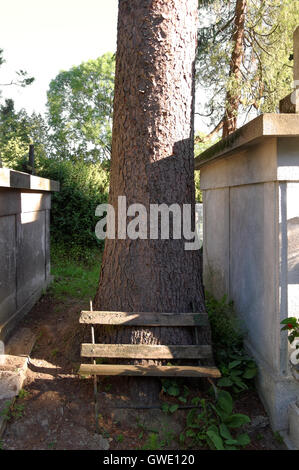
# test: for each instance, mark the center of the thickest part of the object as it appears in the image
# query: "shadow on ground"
(56, 410)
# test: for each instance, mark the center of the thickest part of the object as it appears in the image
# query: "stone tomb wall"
(24, 245)
(251, 249)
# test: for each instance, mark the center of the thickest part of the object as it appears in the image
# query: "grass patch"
(76, 272)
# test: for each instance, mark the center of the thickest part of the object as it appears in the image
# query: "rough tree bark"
(153, 162)
(233, 97)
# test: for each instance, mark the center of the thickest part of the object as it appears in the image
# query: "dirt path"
(56, 410)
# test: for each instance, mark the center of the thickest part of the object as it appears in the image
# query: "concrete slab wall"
(251, 254)
(24, 249)
(216, 254)
(253, 276)
(8, 288)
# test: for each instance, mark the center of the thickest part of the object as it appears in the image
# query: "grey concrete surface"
(262, 128)
(13, 369)
(24, 244)
(251, 253)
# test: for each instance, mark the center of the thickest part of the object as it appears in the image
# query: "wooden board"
(154, 371)
(146, 351)
(144, 319)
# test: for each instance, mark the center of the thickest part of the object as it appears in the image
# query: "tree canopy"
(265, 74)
(17, 130)
(80, 103)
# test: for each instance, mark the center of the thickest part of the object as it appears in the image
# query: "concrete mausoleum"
(25, 203)
(250, 184)
(251, 246)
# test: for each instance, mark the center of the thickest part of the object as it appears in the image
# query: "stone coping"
(18, 180)
(266, 125)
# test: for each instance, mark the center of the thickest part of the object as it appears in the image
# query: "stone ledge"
(294, 424)
(18, 180)
(277, 392)
(291, 436)
(13, 370)
(266, 125)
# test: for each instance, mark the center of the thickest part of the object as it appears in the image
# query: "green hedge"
(83, 187)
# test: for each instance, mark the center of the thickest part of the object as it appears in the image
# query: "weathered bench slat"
(150, 370)
(144, 319)
(145, 351)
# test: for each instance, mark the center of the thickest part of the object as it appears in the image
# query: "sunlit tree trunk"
(233, 96)
(152, 163)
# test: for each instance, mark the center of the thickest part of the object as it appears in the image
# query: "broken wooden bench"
(145, 351)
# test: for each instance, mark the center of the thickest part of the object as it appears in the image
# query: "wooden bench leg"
(95, 382)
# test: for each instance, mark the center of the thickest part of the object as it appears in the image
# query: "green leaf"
(173, 408)
(224, 382)
(213, 428)
(231, 442)
(183, 399)
(240, 383)
(233, 364)
(224, 431)
(216, 439)
(237, 420)
(190, 433)
(291, 320)
(236, 373)
(225, 402)
(165, 407)
(222, 415)
(250, 373)
(195, 401)
(243, 439)
(173, 391)
(191, 417)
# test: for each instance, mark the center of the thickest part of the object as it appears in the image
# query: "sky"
(44, 37)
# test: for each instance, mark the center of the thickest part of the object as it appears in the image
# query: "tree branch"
(211, 134)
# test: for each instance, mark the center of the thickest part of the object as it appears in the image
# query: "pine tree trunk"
(153, 163)
(233, 97)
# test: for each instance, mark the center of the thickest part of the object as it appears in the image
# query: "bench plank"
(151, 370)
(146, 351)
(144, 319)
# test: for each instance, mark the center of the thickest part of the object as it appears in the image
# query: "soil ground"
(56, 410)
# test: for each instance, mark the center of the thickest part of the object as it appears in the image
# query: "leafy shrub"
(226, 331)
(82, 187)
(291, 324)
(236, 367)
(212, 422)
(238, 372)
(216, 425)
